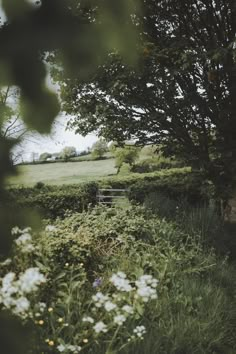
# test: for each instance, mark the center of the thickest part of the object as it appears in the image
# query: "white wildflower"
(146, 280)
(12, 291)
(8, 285)
(26, 230)
(119, 319)
(128, 309)
(61, 348)
(100, 327)
(100, 299)
(139, 331)
(42, 306)
(25, 242)
(30, 280)
(23, 239)
(21, 305)
(109, 306)
(120, 282)
(88, 319)
(16, 230)
(146, 287)
(6, 262)
(8, 279)
(50, 228)
(74, 348)
(28, 248)
(68, 347)
(147, 293)
(121, 275)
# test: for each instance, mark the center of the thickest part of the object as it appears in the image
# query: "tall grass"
(201, 220)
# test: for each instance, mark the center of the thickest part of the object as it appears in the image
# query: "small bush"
(39, 185)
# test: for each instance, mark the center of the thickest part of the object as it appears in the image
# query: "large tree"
(182, 95)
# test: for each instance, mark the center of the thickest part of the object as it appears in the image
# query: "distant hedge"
(175, 183)
(55, 201)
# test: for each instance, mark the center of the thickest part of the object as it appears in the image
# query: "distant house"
(52, 158)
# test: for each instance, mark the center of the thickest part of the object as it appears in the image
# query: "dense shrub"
(177, 186)
(94, 237)
(54, 201)
(153, 164)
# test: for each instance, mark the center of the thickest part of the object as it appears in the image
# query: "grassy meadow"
(63, 172)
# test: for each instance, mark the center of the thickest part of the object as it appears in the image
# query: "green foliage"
(53, 201)
(93, 237)
(189, 188)
(155, 164)
(127, 154)
(178, 97)
(67, 152)
(99, 149)
(176, 183)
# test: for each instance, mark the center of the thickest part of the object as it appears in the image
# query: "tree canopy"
(68, 152)
(126, 154)
(99, 149)
(182, 95)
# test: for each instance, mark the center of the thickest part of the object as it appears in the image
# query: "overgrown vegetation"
(194, 311)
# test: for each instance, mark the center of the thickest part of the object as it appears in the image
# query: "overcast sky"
(56, 141)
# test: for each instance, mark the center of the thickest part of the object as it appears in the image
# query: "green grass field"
(63, 172)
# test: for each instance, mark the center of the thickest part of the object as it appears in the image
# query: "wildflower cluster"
(146, 288)
(14, 291)
(24, 241)
(114, 310)
(100, 299)
(100, 327)
(120, 282)
(139, 331)
(68, 348)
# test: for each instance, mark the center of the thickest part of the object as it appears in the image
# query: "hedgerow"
(55, 201)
